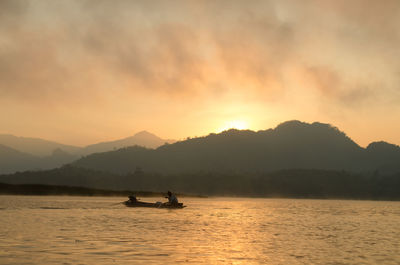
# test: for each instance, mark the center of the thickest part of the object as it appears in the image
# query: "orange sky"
(80, 72)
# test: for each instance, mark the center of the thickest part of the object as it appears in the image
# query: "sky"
(83, 71)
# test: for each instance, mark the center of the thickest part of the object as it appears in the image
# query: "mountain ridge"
(292, 144)
(26, 153)
(43, 147)
(11, 160)
(34, 146)
(142, 138)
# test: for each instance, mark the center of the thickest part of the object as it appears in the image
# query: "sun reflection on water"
(48, 230)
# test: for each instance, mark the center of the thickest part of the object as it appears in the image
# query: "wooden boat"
(130, 203)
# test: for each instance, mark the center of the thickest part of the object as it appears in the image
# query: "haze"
(80, 72)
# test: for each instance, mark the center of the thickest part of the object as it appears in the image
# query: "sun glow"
(234, 124)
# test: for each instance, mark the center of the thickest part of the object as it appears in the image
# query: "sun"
(234, 124)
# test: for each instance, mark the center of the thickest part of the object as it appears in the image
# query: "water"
(84, 230)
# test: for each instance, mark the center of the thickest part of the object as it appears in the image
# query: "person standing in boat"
(172, 198)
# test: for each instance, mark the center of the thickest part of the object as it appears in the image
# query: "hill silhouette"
(12, 160)
(294, 183)
(35, 146)
(142, 138)
(23, 153)
(295, 159)
(291, 145)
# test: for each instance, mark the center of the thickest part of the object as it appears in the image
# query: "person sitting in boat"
(132, 198)
(172, 198)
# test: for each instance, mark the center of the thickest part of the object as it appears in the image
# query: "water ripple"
(77, 230)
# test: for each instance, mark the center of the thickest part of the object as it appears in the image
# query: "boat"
(136, 203)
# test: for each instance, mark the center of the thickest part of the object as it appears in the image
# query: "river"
(99, 230)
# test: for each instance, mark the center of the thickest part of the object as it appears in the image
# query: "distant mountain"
(12, 160)
(57, 158)
(385, 156)
(35, 146)
(295, 159)
(22, 153)
(142, 138)
(40, 147)
(291, 145)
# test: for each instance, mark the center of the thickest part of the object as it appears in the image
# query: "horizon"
(199, 136)
(95, 71)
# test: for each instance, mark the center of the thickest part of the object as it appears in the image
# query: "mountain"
(35, 146)
(22, 153)
(40, 147)
(291, 145)
(12, 160)
(385, 156)
(295, 159)
(142, 138)
(57, 158)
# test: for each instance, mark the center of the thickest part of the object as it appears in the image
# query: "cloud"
(12, 8)
(335, 88)
(127, 55)
(189, 48)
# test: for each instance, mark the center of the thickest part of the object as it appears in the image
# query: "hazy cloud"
(84, 52)
(186, 47)
(333, 86)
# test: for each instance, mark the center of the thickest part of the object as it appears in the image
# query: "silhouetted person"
(132, 198)
(172, 198)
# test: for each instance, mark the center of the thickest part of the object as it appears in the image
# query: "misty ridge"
(22, 153)
(295, 159)
(291, 145)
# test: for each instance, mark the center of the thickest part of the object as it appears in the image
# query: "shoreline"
(56, 190)
(61, 190)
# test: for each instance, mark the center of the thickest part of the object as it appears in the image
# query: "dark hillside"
(294, 183)
(292, 144)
